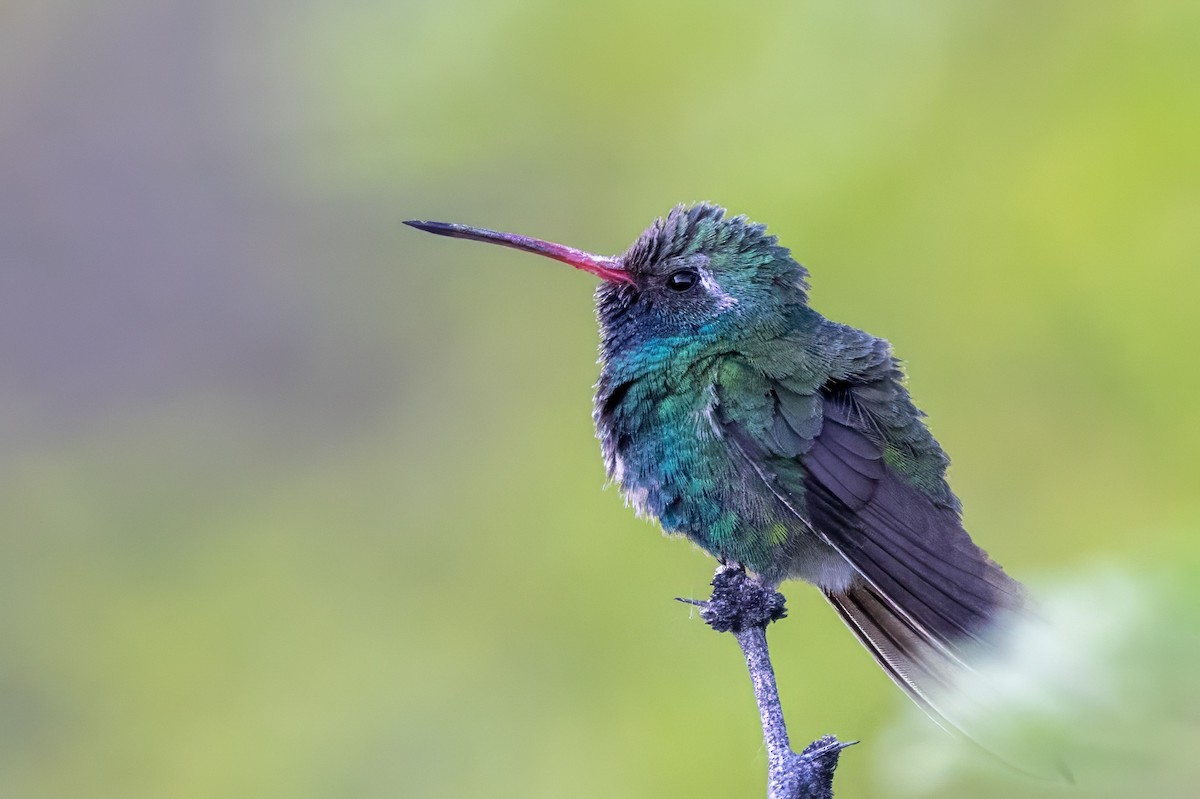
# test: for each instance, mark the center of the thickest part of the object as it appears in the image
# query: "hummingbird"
(737, 416)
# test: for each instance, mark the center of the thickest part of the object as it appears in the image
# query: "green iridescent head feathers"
(731, 243)
(699, 277)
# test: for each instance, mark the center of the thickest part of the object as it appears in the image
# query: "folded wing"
(851, 457)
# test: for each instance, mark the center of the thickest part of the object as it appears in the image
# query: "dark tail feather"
(922, 666)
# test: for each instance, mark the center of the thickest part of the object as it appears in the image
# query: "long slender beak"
(605, 267)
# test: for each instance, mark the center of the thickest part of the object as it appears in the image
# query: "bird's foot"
(809, 774)
(739, 602)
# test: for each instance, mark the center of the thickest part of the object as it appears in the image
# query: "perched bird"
(737, 416)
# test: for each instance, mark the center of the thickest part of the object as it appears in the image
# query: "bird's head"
(695, 278)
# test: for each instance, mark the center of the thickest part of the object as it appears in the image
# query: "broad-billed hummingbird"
(734, 414)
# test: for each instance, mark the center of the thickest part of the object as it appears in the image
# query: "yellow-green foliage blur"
(297, 502)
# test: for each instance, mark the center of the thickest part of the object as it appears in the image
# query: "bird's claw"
(739, 602)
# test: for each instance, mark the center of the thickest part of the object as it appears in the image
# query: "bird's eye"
(682, 280)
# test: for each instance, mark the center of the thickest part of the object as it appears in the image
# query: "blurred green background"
(297, 502)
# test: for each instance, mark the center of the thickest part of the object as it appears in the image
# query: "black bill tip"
(440, 228)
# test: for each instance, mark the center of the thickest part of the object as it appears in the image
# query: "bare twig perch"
(741, 605)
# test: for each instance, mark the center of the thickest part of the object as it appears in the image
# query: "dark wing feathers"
(907, 543)
(871, 484)
(849, 454)
(839, 434)
(845, 476)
